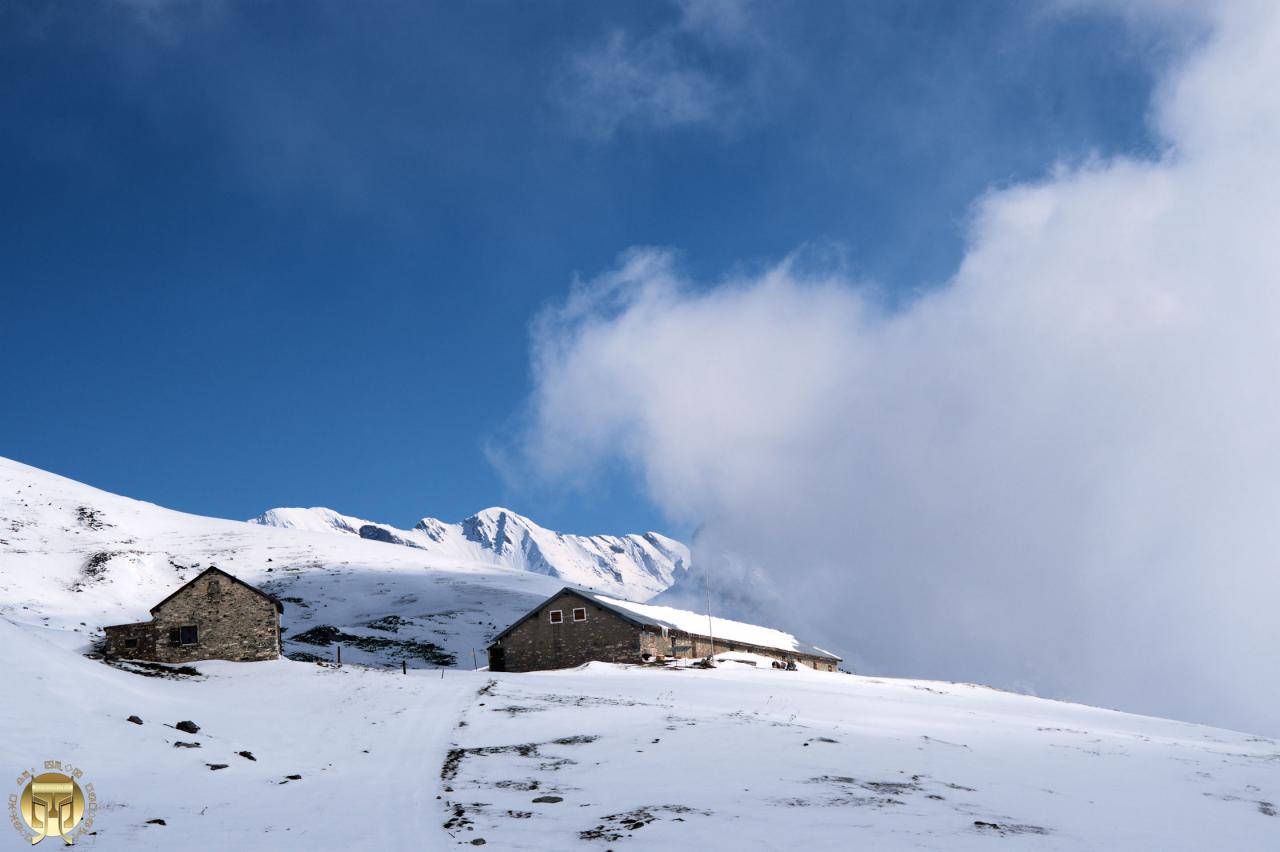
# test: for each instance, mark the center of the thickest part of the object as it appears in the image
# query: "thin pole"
(339, 655)
(475, 666)
(404, 667)
(706, 585)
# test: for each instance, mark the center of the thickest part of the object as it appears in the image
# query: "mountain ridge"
(636, 565)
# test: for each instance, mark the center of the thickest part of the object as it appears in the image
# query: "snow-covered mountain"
(291, 755)
(631, 566)
(76, 558)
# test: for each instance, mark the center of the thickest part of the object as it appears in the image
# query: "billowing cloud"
(1058, 472)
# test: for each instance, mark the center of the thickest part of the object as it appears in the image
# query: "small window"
(190, 635)
(214, 589)
(131, 643)
(175, 636)
(557, 616)
(580, 613)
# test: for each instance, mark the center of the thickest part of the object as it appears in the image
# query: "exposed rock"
(375, 533)
(135, 720)
(188, 727)
(181, 744)
(248, 755)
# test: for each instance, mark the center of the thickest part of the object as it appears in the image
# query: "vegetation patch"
(305, 657)
(91, 518)
(147, 669)
(389, 623)
(1007, 828)
(453, 760)
(96, 565)
(325, 635)
(617, 826)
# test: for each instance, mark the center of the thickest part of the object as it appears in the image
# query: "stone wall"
(131, 641)
(233, 622)
(537, 644)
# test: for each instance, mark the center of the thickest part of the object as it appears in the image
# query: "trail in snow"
(368, 745)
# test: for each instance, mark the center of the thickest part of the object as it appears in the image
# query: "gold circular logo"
(52, 805)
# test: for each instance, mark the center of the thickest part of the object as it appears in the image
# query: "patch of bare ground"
(617, 826)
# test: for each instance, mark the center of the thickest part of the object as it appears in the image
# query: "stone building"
(214, 617)
(573, 627)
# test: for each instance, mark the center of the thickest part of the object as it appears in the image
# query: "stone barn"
(573, 627)
(214, 617)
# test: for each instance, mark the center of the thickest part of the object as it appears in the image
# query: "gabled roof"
(684, 621)
(211, 570)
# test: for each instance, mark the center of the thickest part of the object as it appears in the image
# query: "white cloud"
(1061, 471)
(657, 80)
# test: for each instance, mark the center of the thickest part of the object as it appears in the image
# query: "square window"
(214, 588)
(131, 643)
(580, 613)
(557, 616)
(175, 636)
(190, 635)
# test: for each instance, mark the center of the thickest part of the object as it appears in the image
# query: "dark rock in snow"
(181, 744)
(188, 727)
(216, 766)
(549, 799)
(135, 720)
(372, 533)
(248, 755)
(156, 822)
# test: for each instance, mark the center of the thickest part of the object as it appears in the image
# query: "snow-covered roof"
(696, 623)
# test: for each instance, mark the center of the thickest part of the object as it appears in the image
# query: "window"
(580, 613)
(557, 616)
(190, 635)
(131, 643)
(214, 589)
(175, 636)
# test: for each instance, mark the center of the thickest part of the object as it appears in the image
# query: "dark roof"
(643, 620)
(232, 577)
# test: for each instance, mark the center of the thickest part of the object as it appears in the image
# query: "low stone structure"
(573, 627)
(214, 617)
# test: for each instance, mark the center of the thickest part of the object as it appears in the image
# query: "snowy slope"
(753, 758)
(601, 757)
(77, 558)
(615, 757)
(632, 566)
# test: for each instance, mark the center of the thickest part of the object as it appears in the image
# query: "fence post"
(404, 667)
(475, 666)
(339, 655)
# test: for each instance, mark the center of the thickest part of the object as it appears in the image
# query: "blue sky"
(262, 254)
